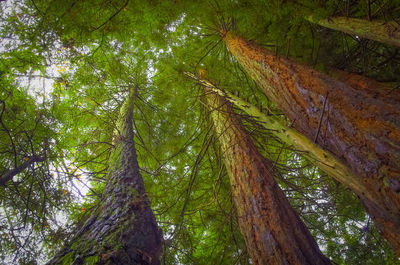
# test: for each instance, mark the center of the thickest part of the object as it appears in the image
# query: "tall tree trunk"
(355, 118)
(383, 31)
(273, 232)
(324, 159)
(123, 229)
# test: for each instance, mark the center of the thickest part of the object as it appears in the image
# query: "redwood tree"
(273, 231)
(355, 118)
(123, 229)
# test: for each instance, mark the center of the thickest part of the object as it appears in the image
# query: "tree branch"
(9, 174)
(116, 13)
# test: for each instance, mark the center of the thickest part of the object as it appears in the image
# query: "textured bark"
(273, 232)
(324, 159)
(123, 229)
(383, 31)
(353, 117)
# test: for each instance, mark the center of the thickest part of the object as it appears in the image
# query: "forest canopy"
(69, 69)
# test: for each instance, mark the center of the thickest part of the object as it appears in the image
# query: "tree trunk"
(387, 32)
(123, 229)
(353, 117)
(273, 232)
(324, 159)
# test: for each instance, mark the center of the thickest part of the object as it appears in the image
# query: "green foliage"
(101, 48)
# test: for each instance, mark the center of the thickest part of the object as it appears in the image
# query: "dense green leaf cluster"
(65, 69)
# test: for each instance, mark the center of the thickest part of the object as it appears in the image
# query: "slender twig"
(320, 118)
(108, 20)
(9, 174)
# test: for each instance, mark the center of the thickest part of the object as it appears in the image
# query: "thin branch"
(34, 4)
(9, 174)
(116, 13)
(320, 118)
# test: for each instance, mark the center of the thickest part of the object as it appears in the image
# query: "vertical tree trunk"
(383, 31)
(325, 160)
(353, 117)
(273, 232)
(123, 229)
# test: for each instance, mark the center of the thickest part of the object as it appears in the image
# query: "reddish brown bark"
(360, 123)
(273, 232)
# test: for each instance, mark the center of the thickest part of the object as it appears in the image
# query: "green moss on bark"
(383, 31)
